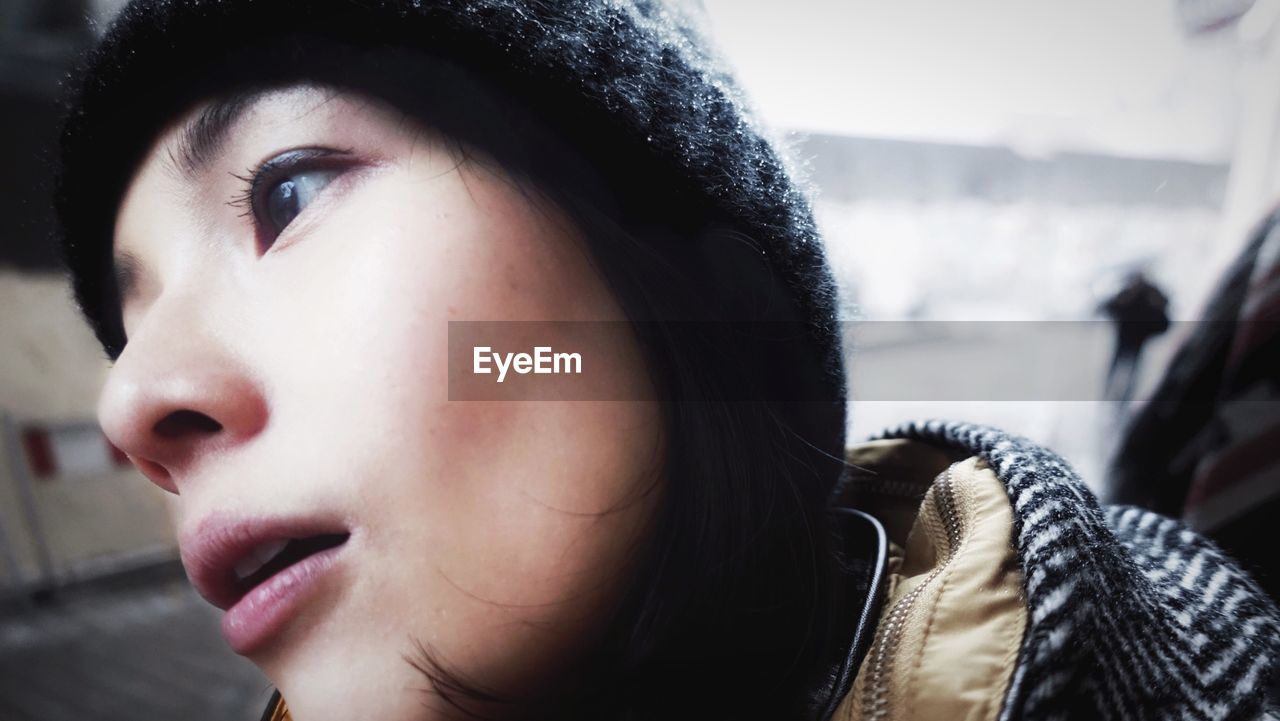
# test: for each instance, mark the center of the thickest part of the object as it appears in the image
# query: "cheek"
(517, 534)
(368, 295)
(496, 490)
(482, 513)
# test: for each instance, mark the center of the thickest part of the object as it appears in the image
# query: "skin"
(498, 533)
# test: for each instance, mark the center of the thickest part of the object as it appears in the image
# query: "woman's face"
(287, 288)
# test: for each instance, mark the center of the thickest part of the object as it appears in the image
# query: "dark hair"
(735, 602)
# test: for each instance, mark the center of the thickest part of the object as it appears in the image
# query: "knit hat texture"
(633, 76)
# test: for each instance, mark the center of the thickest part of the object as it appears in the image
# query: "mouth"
(226, 560)
(268, 559)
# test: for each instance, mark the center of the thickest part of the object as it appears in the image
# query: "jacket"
(1000, 589)
(1011, 593)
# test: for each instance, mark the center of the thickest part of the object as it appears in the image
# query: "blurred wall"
(51, 369)
(66, 525)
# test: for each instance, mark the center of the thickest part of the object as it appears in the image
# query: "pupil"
(283, 204)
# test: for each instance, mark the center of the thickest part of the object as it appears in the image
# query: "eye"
(281, 188)
(286, 199)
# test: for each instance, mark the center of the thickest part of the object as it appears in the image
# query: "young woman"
(283, 219)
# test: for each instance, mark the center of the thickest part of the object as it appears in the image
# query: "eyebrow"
(204, 136)
(201, 140)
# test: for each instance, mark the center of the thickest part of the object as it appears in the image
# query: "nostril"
(181, 423)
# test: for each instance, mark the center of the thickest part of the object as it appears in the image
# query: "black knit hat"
(622, 78)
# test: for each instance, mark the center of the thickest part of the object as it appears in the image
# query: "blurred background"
(986, 160)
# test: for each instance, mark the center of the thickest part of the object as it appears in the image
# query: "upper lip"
(212, 548)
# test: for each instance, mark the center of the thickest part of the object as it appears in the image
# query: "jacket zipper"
(876, 699)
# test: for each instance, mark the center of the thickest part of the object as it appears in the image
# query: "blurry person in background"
(1140, 312)
(272, 212)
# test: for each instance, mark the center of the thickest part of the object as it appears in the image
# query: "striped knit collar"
(1131, 615)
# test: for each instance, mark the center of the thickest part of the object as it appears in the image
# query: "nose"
(177, 399)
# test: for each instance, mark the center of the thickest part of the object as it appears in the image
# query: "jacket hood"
(1130, 615)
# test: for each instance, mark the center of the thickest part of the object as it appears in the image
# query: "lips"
(227, 558)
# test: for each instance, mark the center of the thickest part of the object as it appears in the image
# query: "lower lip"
(265, 610)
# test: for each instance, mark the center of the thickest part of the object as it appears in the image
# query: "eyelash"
(265, 176)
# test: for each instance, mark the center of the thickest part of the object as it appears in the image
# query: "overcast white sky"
(1041, 75)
